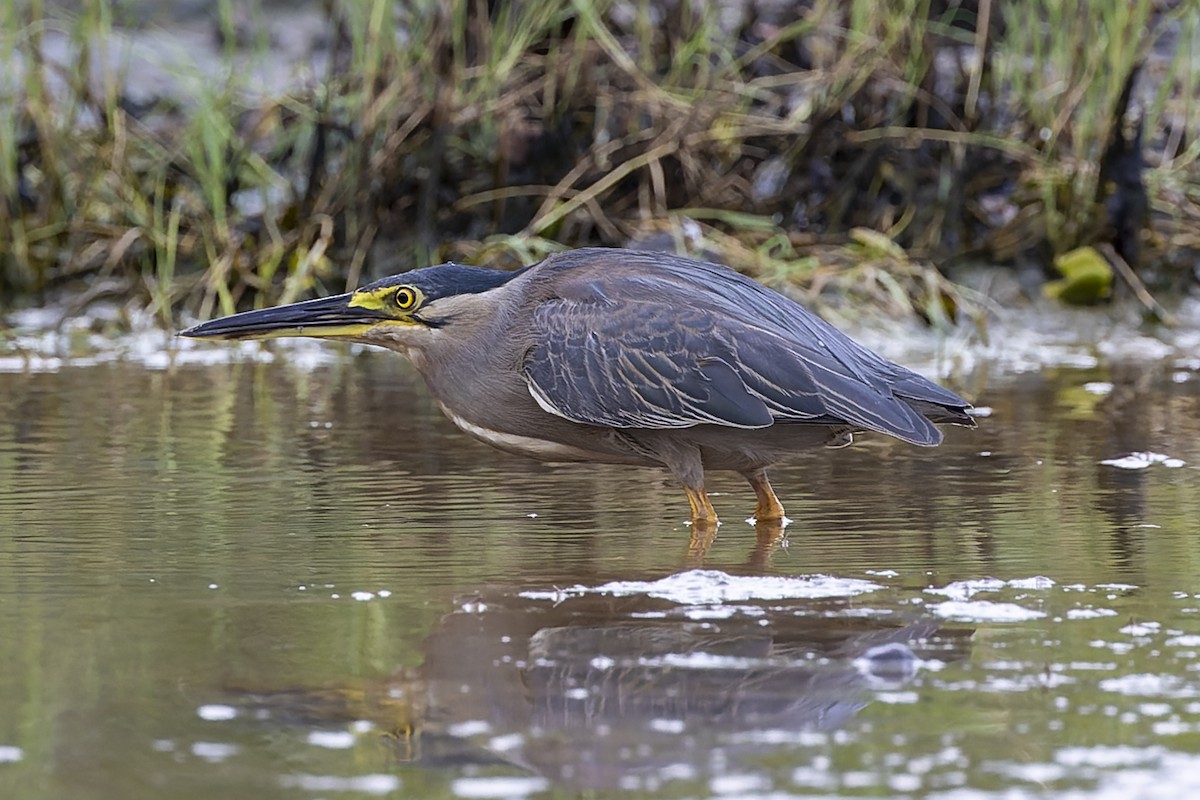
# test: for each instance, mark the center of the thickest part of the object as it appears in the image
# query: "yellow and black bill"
(333, 317)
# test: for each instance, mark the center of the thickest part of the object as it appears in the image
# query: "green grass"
(438, 132)
(1064, 87)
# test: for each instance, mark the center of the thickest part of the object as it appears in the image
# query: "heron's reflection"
(588, 689)
(769, 536)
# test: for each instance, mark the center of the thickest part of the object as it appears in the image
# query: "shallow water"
(252, 580)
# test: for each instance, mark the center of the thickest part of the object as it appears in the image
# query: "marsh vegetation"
(252, 154)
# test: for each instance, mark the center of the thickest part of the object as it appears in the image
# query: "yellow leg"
(768, 509)
(703, 512)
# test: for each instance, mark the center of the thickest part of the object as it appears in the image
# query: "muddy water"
(258, 581)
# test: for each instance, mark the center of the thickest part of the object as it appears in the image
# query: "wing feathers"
(729, 399)
(652, 363)
(628, 367)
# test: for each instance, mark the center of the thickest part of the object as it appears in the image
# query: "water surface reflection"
(260, 581)
(603, 691)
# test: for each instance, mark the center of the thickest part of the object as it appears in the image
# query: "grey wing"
(652, 365)
(802, 383)
(635, 365)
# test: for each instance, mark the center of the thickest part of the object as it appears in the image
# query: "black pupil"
(404, 297)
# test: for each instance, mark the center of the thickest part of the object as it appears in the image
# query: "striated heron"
(626, 357)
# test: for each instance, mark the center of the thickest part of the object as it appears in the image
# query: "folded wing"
(650, 364)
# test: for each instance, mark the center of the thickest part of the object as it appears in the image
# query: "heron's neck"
(474, 363)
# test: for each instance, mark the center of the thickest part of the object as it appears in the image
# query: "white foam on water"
(1115, 772)
(498, 787)
(701, 587)
(1090, 613)
(699, 660)
(1038, 583)
(471, 727)
(1142, 460)
(897, 698)
(1107, 756)
(1155, 709)
(332, 740)
(1033, 773)
(984, 611)
(965, 589)
(30, 364)
(508, 741)
(378, 784)
(1186, 640)
(744, 784)
(214, 751)
(216, 713)
(1149, 685)
(722, 612)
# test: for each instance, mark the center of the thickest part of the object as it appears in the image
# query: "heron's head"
(400, 312)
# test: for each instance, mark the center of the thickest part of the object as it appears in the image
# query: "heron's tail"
(942, 414)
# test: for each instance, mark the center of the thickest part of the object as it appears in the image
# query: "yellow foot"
(703, 512)
(768, 509)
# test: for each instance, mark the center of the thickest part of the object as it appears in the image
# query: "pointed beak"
(327, 317)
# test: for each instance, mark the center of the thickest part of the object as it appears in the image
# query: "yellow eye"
(406, 298)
